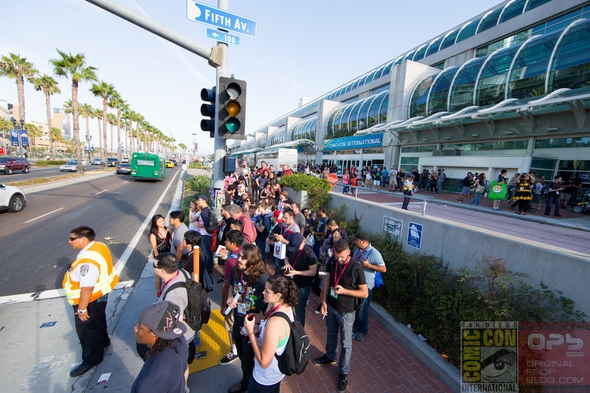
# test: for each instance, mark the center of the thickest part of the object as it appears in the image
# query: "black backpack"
(198, 310)
(545, 189)
(213, 222)
(297, 352)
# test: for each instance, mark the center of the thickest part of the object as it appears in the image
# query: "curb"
(431, 359)
(60, 183)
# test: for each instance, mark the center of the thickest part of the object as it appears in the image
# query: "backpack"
(545, 189)
(213, 222)
(298, 349)
(198, 310)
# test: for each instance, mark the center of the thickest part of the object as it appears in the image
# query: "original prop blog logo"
(489, 357)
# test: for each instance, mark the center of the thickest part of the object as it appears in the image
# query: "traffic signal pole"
(220, 143)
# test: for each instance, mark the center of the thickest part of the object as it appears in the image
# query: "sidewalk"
(38, 358)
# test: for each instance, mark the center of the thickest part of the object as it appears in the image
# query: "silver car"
(72, 166)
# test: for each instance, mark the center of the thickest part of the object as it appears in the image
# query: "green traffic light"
(233, 125)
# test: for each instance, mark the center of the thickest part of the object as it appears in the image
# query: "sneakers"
(358, 336)
(229, 358)
(458, 200)
(318, 310)
(324, 360)
(221, 280)
(342, 382)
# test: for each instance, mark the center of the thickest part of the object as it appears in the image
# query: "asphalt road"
(42, 171)
(34, 248)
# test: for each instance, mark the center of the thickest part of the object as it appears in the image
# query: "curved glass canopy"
(529, 67)
(570, 62)
(357, 116)
(461, 93)
(490, 87)
(420, 96)
(437, 97)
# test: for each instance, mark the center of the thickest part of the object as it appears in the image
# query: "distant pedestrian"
(408, 190)
(86, 284)
(553, 197)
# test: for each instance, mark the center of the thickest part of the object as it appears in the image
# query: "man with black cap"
(372, 262)
(160, 329)
(301, 264)
(202, 224)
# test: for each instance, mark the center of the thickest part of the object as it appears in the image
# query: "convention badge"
(242, 308)
(333, 293)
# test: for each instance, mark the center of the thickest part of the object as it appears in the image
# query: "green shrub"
(423, 291)
(199, 184)
(318, 189)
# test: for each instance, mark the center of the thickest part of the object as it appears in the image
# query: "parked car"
(169, 164)
(72, 166)
(175, 161)
(10, 164)
(97, 161)
(112, 161)
(12, 198)
(126, 160)
(123, 169)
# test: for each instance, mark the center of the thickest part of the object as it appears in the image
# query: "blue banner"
(13, 137)
(354, 142)
(24, 138)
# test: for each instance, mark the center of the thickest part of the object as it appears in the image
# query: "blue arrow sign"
(223, 37)
(213, 16)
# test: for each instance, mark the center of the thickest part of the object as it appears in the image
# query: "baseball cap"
(295, 242)
(162, 319)
(203, 197)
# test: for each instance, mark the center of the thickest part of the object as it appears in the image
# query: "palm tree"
(34, 133)
(74, 66)
(97, 114)
(112, 119)
(14, 66)
(86, 111)
(117, 102)
(49, 87)
(105, 91)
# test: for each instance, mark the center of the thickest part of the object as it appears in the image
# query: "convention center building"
(507, 89)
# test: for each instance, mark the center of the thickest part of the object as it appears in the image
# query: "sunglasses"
(155, 266)
(74, 238)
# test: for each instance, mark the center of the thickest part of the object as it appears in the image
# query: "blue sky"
(304, 48)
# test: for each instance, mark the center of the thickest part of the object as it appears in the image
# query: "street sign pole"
(220, 144)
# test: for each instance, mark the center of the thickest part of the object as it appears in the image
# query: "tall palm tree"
(86, 111)
(97, 114)
(105, 91)
(49, 87)
(117, 102)
(127, 117)
(112, 119)
(74, 67)
(14, 66)
(34, 133)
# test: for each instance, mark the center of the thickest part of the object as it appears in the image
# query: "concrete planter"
(300, 197)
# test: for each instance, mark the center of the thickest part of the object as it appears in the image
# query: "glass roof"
(512, 10)
(461, 94)
(529, 67)
(489, 20)
(467, 30)
(437, 97)
(491, 83)
(570, 66)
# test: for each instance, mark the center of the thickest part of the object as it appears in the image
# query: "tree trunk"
(104, 130)
(76, 121)
(48, 109)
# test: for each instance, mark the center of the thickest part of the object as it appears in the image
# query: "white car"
(72, 166)
(12, 198)
(125, 160)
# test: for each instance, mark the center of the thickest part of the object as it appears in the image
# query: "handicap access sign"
(415, 235)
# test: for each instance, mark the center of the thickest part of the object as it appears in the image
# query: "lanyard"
(275, 308)
(166, 283)
(296, 259)
(359, 253)
(337, 280)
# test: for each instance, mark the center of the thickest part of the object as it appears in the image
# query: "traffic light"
(232, 108)
(208, 109)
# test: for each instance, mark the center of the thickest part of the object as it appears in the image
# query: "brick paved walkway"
(379, 364)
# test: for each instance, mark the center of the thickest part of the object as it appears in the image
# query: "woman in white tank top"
(281, 295)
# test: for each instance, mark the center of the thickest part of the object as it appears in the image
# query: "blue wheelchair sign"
(414, 235)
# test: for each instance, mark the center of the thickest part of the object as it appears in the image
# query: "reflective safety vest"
(98, 255)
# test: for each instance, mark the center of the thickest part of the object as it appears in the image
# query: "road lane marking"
(46, 214)
(100, 192)
(119, 266)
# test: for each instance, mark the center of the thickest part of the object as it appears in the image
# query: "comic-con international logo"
(489, 357)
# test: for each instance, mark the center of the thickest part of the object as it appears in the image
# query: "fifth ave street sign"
(224, 20)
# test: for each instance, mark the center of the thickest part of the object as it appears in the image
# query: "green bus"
(147, 166)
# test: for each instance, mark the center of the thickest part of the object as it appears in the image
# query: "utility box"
(229, 164)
